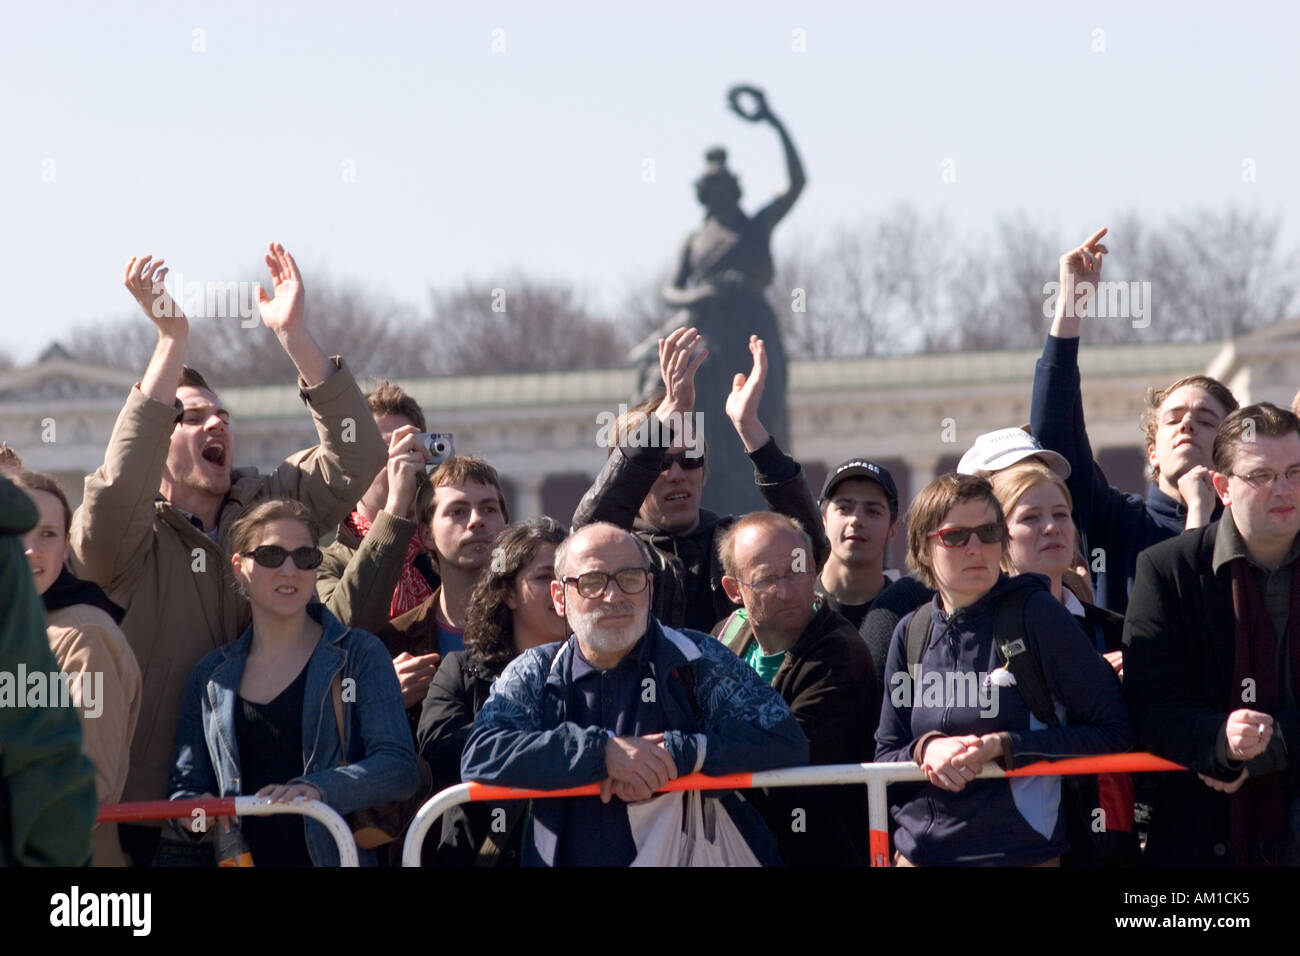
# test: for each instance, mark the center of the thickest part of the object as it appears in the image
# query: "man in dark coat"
(815, 660)
(1212, 652)
(653, 479)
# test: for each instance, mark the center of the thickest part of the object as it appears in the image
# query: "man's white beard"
(605, 640)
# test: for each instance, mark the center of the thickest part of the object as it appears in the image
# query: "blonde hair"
(1010, 485)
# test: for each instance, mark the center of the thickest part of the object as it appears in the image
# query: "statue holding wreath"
(718, 287)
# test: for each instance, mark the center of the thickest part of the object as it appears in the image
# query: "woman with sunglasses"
(510, 610)
(258, 716)
(958, 707)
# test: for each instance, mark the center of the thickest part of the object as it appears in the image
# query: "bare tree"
(520, 324)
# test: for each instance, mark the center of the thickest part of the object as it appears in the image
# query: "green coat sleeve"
(48, 780)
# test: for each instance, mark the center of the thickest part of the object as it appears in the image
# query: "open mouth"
(286, 589)
(215, 454)
(677, 496)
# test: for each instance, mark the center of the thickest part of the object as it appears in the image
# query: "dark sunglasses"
(957, 537)
(272, 556)
(680, 458)
(593, 583)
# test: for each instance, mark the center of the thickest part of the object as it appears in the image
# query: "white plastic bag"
(686, 829)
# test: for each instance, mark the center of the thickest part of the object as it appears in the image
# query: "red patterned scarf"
(412, 588)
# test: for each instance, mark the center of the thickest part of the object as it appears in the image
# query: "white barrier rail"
(876, 777)
(235, 807)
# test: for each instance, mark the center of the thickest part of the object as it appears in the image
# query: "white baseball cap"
(1003, 448)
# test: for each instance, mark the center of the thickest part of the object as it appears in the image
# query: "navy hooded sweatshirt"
(1016, 822)
(1114, 527)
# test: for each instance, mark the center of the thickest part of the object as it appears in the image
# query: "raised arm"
(778, 476)
(631, 470)
(144, 280)
(283, 315)
(330, 478)
(776, 210)
(359, 591)
(112, 529)
(1056, 409)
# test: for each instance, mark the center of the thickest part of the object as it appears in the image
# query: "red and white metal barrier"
(235, 807)
(876, 776)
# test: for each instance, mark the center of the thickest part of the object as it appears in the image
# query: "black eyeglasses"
(272, 556)
(593, 583)
(681, 458)
(957, 537)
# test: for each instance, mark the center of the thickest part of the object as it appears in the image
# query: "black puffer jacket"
(687, 572)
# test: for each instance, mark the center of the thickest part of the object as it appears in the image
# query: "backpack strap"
(729, 635)
(1021, 660)
(336, 692)
(918, 635)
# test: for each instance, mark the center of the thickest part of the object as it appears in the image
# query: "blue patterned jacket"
(521, 737)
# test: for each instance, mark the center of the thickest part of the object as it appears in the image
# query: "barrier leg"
(878, 819)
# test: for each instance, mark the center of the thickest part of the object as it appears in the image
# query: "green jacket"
(47, 786)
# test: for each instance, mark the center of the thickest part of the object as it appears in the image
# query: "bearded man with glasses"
(625, 702)
(1211, 656)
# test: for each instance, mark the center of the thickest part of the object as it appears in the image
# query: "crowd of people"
(213, 647)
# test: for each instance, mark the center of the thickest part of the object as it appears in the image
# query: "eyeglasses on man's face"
(592, 584)
(1264, 477)
(769, 584)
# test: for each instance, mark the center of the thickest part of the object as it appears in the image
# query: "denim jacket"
(522, 737)
(381, 759)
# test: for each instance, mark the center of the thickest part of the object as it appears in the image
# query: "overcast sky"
(199, 131)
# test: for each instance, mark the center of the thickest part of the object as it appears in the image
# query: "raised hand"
(746, 393)
(1197, 490)
(680, 357)
(144, 280)
(407, 458)
(283, 312)
(1079, 269)
(283, 315)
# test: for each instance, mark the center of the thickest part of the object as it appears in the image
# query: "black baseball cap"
(862, 468)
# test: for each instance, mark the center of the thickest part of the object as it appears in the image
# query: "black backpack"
(1117, 843)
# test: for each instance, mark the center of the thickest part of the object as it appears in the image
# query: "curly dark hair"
(489, 627)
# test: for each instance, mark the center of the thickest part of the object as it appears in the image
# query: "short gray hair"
(562, 550)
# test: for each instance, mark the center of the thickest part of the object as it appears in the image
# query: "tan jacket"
(86, 641)
(175, 584)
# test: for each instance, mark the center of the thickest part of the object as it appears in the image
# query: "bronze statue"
(718, 287)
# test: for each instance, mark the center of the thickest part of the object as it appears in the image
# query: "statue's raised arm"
(775, 211)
